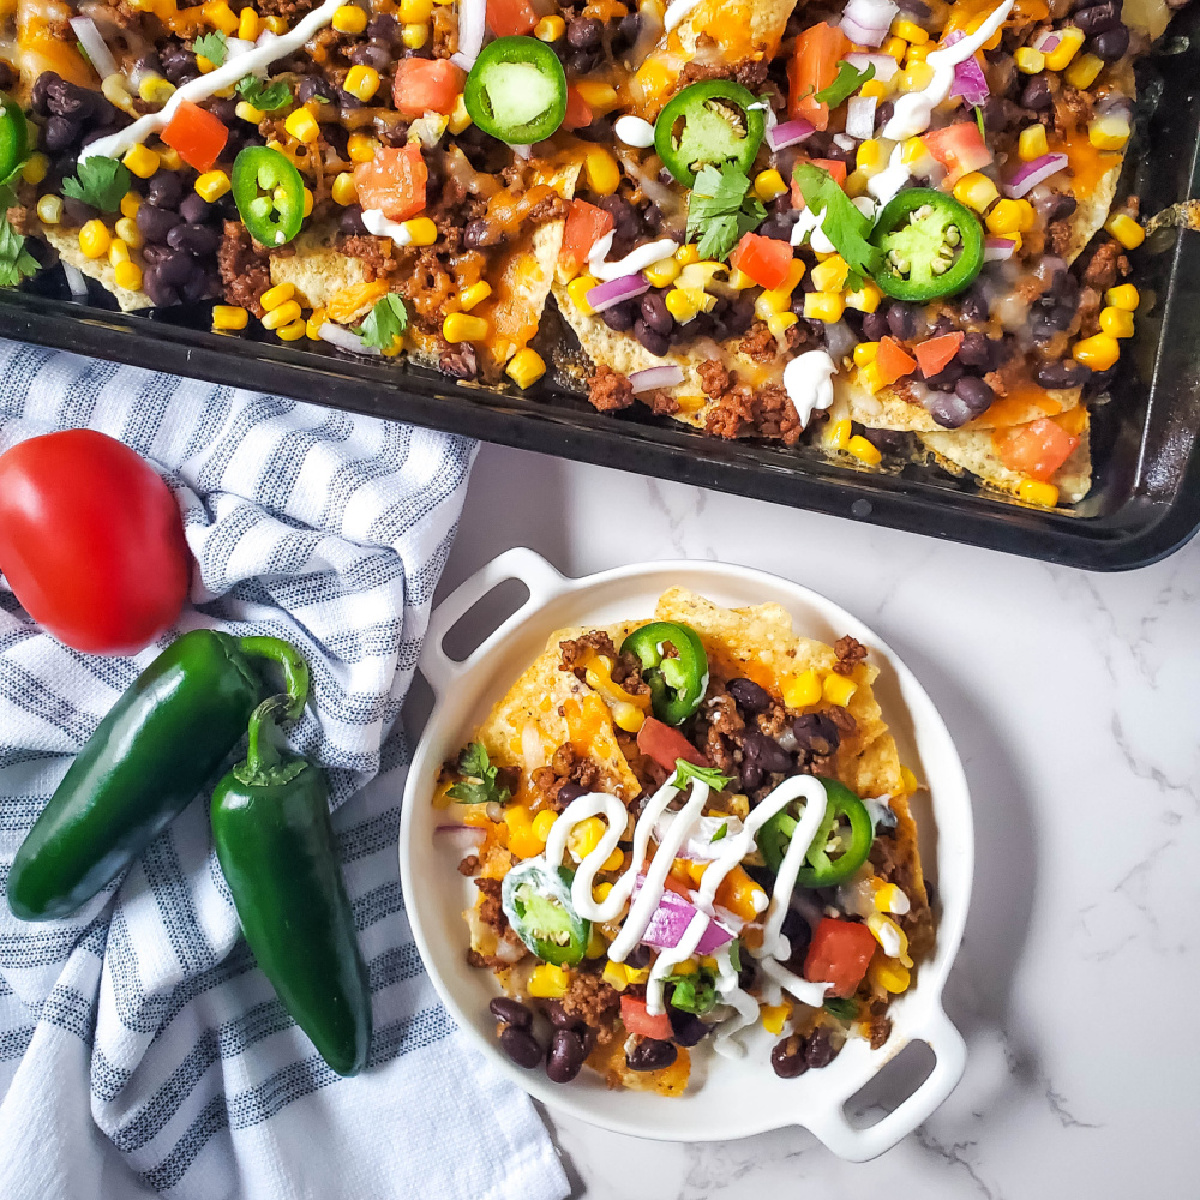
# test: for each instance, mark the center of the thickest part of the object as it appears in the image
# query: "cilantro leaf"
(265, 96)
(720, 834)
(841, 222)
(843, 1009)
(685, 770)
(979, 122)
(695, 993)
(479, 785)
(720, 212)
(100, 182)
(735, 954)
(385, 322)
(16, 263)
(214, 46)
(849, 80)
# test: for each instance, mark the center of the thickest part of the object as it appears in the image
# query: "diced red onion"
(670, 920)
(1033, 173)
(466, 839)
(606, 295)
(472, 24)
(861, 35)
(509, 952)
(860, 117)
(1046, 41)
(96, 47)
(521, 150)
(343, 339)
(997, 249)
(656, 377)
(867, 21)
(76, 281)
(969, 81)
(789, 133)
(885, 65)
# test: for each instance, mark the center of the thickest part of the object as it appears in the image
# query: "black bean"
(459, 361)
(351, 221)
(686, 1028)
(198, 240)
(946, 409)
(1000, 114)
(1041, 324)
(778, 228)
(819, 1050)
(155, 223)
(1111, 44)
(149, 63)
(798, 933)
(65, 99)
(76, 213)
(651, 217)
(559, 1017)
(160, 293)
(916, 8)
(628, 27)
(39, 95)
(762, 756)
(948, 376)
(583, 33)
(1062, 374)
(8, 77)
(478, 234)
(224, 110)
(942, 326)
(749, 696)
(651, 1055)
(194, 209)
(165, 189)
(974, 307)
(179, 65)
(565, 1058)
(201, 285)
(1037, 94)
(383, 28)
(346, 101)
(976, 394)
(884, 113)
(174, 268)
(59, 134)
(656, 343)
(1097, 18)
(656, 315)
(1056, 207)
(787, 1058)
(370, 55)
(619, 318)
(748, 975)
(570, 791)
(902, 321)
(312, 86)
(511, 1011)
(816, 734)
(625, 218)
(975, 351)
(875, 325)
(520, 1046)
(155, 252)
(739, 316)
(93, 135)
(887, 441)
(583, 62)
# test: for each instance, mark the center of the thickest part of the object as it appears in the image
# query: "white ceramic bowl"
(726, 1099)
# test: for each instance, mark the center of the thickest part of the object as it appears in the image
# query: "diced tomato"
(586, 224)
(834, 166)
(839, 953)
(812, 68)
(579, 112)
(394, 180)
(664, 744)
(510, 18)
(936, 353)
(637, 1020)
(197, 134)
(1036, 450)
(892, 361)
(427, 85)
(766, 260)
(959, 148)
(674, 884)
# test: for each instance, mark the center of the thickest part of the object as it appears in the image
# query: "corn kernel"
(1030, 61)
(688, 254)
(802, 690)
(870, 157)
(865, 352)
(343, 190)
(875, 89)
(246, 111)
(362, 82)
(662, 273)
(276, 25)
(614, 862)
(1028, 215)
(1083, 71)
(118, 252)
(116, 93)
(547, 982)
(856, 184)
(865, 452)
(896, 47)
(142, 162)
(249, 25)
(459, 327)
(614, 975)
(917, 54)
(228, 316)
(1032, 143)
(1116, 321)
(273, 297)
(975, 191)
(585, 837)
(312, 327)
(94, 239)
(1109, 133)
(915, 77)
(889, 975)
(599, 97)
(682, 304)
(909, 31)
(578, 290)
(212, 185)
(550, 29)
(473, 295)
(838, 438)
(127, 233)
(36, 168)
(866, 298)
(774, 1016)
(309, 201)
(293, 332)
(637, 975)
(130, 203)
(912, 151)
(601, 171)
(281, 315)
(830, 275)
(543, 822)
(1004, 218)
(128, 275)
(908, 781)
(422, 231)
(1097, 353)
(870, 378)
(769, 184)
(49, 209)
(361, 147)
(1069, 40)
(525, 367)
(890, 899)
(218, 13)
(1034, 491)
(171, 158)
(413, 12)
(601, 891)
(205, 64)
(302, 125)
(1125, 296)
(349, 19)
(460, 119)
(779, 323)
(824, 306)
(1126, 230)
(738, 280)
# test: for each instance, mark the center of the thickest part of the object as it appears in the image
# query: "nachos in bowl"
(678, 830)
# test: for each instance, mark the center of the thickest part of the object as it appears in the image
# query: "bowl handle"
(542, 580)
(860, 1145)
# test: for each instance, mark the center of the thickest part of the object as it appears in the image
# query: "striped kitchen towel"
(141, 1051)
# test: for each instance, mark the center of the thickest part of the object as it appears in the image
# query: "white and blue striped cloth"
(141, 1051)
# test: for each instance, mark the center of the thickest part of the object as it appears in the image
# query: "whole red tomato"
(91, 541)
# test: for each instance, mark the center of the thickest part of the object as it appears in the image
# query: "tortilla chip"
(66, 242)
(1091, 210)
(1150, 17)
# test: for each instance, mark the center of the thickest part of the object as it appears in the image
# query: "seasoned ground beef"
(375, 253)
(777, 415)
(663, 404)
(750, 74)
(609, 390)
(1058, 236)
(20, 218)
(567, 766)
(1105, 265)
(445, 31)
(742, 412)
(469, 865)
(245, 268)
(293, 10)
(1072, 111)
(721, 724)
(491, 911)
(732, 414)
(594, 1002)
(759, 344)
(550, 208)
(714, 379)
(577, 650)
(850, 653)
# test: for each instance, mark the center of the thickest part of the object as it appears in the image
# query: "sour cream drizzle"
(376, 223)
(633, 262)
(914, 111)
(678, 11)
(808, 381)
(266, 50)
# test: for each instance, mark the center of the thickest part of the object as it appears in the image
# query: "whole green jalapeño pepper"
(537, 903)
(931, 245)
(147, 759)
(675, 666)
(269, 195)
(14, 136)
(846, 816)
(274, 841)
(710, 123)
(517, 91)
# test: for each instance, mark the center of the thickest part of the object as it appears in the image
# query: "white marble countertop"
(1074, 702)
